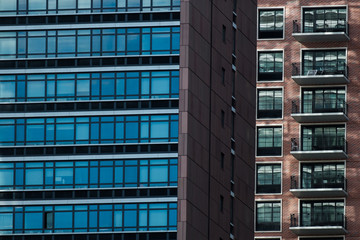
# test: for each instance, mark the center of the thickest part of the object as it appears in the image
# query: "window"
(222, 160)
(323, 100)
(224, 34)
(269, 103)
(88, 174)
(221, 203)
(322, 175)
(269, 141)
(325, 62)
(94, 42)
(315, 138)
(271, 23)
(222, 119)
(270, 67)
(268, 215)
(88, 218)
(325, 20)
(324, 213)
(86, 130)
(223, 72)
(86, 86)
(268, 178)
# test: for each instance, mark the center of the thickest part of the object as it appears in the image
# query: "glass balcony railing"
(328, 25)
(316, 182)
(319, 106)
(320, 143)
(318, 219)
(320, 69)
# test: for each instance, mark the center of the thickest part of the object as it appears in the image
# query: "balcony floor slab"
(321, 37)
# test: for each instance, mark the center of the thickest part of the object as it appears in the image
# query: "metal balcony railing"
(323, 219)
(330, 25)
(320, 106)
(335, 182)
(326, 68)
(319, 144)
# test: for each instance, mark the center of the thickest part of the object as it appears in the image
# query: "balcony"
(334, 31)
(319, 148)
(323, 225)
(326, 75)
(333, 187)
(326, 110)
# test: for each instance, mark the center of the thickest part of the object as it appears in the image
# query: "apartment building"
(307, 120)
(127, 119)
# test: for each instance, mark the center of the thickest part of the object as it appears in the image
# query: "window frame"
(269, 89)
(303, 8)
(256, 211)
(281, 176)
(256, 139)
(283, 8)
(258, 64)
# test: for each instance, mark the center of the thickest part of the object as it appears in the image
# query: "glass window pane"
(63, 176)
(6, 221)
(7, 46)
(159, 130)
(37, 4)
(67, 4)
(34, 177)
(36, 89)
(161, 42)
(8, 5)
(33, 220)
(63, 220)
(6, 177)
(36, 45)
(80, 219)
(157, 218)
(66, 44)
(81, 175)
(7, 89)
(158, 174)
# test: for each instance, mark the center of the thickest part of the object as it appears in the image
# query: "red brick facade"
(291, 91)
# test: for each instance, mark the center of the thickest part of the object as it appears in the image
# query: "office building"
(127, 119)
(307, 124)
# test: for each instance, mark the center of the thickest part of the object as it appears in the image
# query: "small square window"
(269, 103)
(268, 216)
(268, 178)
(269, 141)
(270, 66)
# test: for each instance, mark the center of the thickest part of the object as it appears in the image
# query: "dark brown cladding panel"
(203, 132)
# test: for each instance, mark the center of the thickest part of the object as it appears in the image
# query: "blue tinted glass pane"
(66, 44)
(132, 86)
(132, 130)
(108, 43)
(118, 175)
(161, 42)
(36, 89)
(84, 3)
(143, 218)
(130, 218)
(83, 88)
(157, 218)
(33, 220)
(117, 219)
(81, 175)
(18, 220)
(65, 88)
(7, 133)
(172, 217)
(159, 130)
(80, 219)
(7, 46)
(175, 41)
(83, 44)
(174, 129)
(7, 89)
(107, 87)
(63, 176)
(82, 131)
(36, 45)
(93, 175)
(6, 221)
(160, 3)
(134, 3)
(130, 174)
(109, 3)
(133, 42)
(67, 4)
(120, 43)
(37, 4)
(158, 174)
(107, 131)
(105, 219)
(63, 220)
(8, 5)
(160, 86)
(175, 85)
(106, 175)
(93, 219)
(34, 177)
(35, 133)
(64, 132)
(6, 177)
(173, 173)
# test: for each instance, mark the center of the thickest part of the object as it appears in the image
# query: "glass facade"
(131, 191)
(89, 86)
(89, 130)
(88, 218)
(88, 174)
(89, 42)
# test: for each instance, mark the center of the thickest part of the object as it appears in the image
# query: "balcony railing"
(322, 220)
(336, 182)
(333, 25)
(319, 144)
(323, 106)
(334, 30)
(326, 69)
